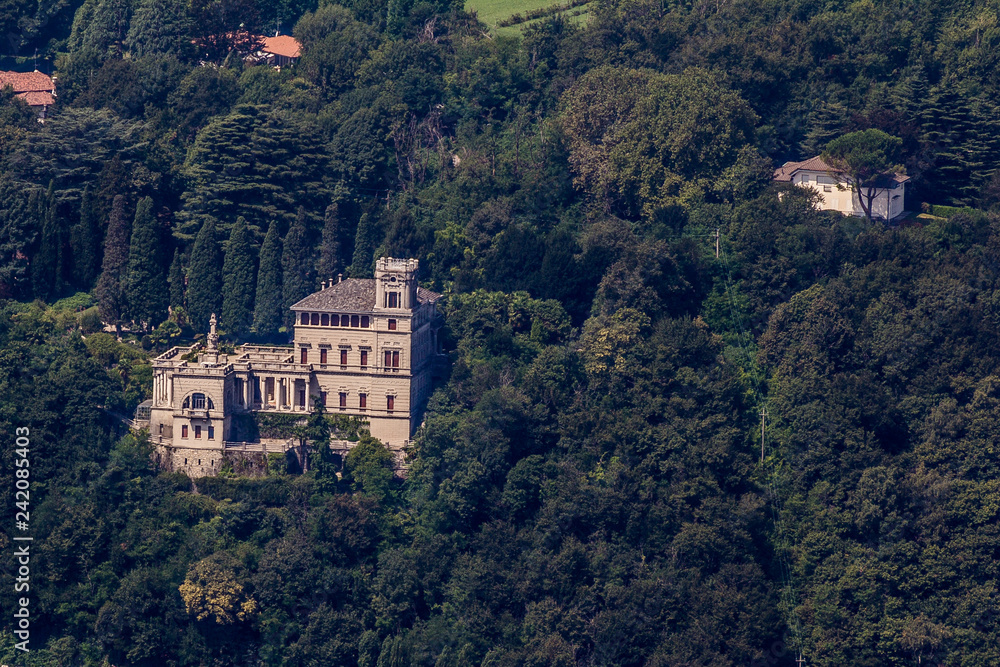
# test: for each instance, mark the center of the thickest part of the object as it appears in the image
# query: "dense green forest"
(588, 487)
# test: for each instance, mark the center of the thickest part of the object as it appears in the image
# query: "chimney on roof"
(323, 285)
(340, 278)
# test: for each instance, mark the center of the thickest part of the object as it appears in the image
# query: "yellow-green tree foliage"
(211, 591)
(640, 141)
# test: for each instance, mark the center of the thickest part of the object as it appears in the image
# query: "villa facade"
(362, 347)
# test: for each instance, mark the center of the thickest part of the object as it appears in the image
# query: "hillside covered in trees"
(589, 486)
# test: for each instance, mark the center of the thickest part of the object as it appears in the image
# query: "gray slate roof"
(352, 295)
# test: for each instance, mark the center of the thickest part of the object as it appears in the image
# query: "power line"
(744, 341)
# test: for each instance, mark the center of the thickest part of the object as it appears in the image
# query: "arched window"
(355, 321)
(315, 319)
(304, 319)
(345, 320)
(365, 320)
(325, 320)
(198, 402)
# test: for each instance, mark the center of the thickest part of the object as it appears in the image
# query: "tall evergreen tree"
(365, 242)
(204, 277)
(18, 230)
(267, 309)
(297, 278)
(175, 278)
(85, 242)
(47, 267)
(110, 292)
(159, 27)
(145, 286)
(238, 281)
(329, 249)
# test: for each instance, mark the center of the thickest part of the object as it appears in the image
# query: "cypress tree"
(296, 276)
(365, 243)
(238, 281)
(329, 249)
(204, 277)
(159, 27)
(18, 231)
(49, 261)
(85, 241)
(145, 286)
(176, 281)
(267, 309)
(110, 294)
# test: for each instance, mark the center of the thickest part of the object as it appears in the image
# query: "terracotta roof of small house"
(27, 82)
(282, 45)
(785, 172)
(38, 99)
(352, 295)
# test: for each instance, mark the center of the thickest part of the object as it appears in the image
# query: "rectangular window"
(305, 355)
(304, 319)
(315, 319)
(184, 431)
(343, 357)
(362, 401)
(322, 397)
(322, 356)
(364, 359)
(395, 359)
(365, 321)
(393, 300)
(325, 320)
(390, 402)
(343, 399)
(388, 358)
(345, 320)
(355, 321)
(211, 433)
(302, 398)
(197, 432)
(392, 325)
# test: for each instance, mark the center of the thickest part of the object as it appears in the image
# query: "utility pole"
(716, 237)
(763, 416)
(800, 660)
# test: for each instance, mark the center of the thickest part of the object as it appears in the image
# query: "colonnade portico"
(276, 392)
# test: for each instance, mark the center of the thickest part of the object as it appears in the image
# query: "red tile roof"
(282, 45)
(785, 172)
(27, 82)
(38, 99)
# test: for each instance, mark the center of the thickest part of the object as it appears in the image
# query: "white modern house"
(834, 188)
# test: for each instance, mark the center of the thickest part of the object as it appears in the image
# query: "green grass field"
(492, 11)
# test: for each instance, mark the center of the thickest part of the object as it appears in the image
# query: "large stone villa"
(362, 347)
